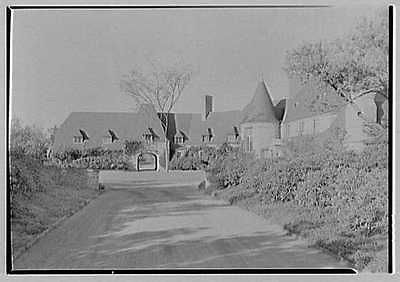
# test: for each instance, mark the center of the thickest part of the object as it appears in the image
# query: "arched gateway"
(147, 161)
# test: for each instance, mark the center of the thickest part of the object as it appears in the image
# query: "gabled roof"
(309, 100)
(179, 133)
(221, 124)
(260, 109)
(96, 124)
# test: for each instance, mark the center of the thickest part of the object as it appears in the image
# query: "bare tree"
(160, 88)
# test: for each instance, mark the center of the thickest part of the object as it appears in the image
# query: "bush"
(24, 174)
(228, 170)
(28, 140)
(94, 158)
(131, 147)
(340, 196)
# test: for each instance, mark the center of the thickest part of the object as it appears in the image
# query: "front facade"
(259, 128)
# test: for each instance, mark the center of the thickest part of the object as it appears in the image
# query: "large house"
(260, 127)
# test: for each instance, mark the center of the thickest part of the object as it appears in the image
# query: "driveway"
(160, 220)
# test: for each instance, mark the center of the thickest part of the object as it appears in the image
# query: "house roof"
(309, 100)
(191, 125)
(260, 109)
(97, 125)
(221, 123)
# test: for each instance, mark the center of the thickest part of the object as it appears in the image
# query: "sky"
(67, 61)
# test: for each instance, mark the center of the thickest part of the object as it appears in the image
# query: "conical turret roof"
(260, 108)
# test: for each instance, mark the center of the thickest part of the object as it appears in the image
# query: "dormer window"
(179, 140)
(107, 140)
(110, 138)
(81, 138)
(149, 136)
(78, 139)
(208, 136)
(234, 137)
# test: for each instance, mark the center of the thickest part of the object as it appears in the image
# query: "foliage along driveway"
(159, 220)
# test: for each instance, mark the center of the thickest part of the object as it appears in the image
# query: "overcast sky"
(73, 60)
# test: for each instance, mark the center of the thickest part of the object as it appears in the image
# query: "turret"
(259, 125)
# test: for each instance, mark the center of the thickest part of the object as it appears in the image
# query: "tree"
(160, 88)
(353, 66)
(28, 140)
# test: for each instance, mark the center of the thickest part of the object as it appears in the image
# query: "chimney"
(208, 106)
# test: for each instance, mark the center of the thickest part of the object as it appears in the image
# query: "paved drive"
(149, 220)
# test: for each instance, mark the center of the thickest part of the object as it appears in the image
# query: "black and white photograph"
(199, 139)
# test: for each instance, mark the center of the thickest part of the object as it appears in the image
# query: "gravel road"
(159, 220)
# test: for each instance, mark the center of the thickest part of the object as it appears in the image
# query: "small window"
(206, 138)
(249, 143)
(248, 139)
(301, 127)
(287, 130)
(232, 138)
(179, 140)
(315, 126)
(267, 153)
(107, 140)
(113, 136)
(248, 131)
(78, 139)
(148, 138)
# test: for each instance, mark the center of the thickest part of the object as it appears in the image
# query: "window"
(148, 138)
(248, 139)
(232, 138)
(315, 126)
(266, 153)
(179, 140)
(178, 154)
(107, 140)
(201, 155)
(206, 138)
(81, 138)
(113, 136)
(301, 127)
(287, 130)
(78, 139)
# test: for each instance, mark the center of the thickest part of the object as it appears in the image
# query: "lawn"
(62, 195)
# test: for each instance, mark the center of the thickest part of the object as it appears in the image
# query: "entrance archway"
(147, 161)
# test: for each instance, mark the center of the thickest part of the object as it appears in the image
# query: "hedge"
(340, 196)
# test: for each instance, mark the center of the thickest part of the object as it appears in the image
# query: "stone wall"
(263, 134)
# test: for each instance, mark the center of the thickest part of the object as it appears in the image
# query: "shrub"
(28, 140)
(340, 196)
(192, 160)
(131, 147)
(94, 158)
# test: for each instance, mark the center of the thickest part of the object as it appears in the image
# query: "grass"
(64, 192)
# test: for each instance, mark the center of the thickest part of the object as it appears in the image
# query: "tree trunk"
(166, 155)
